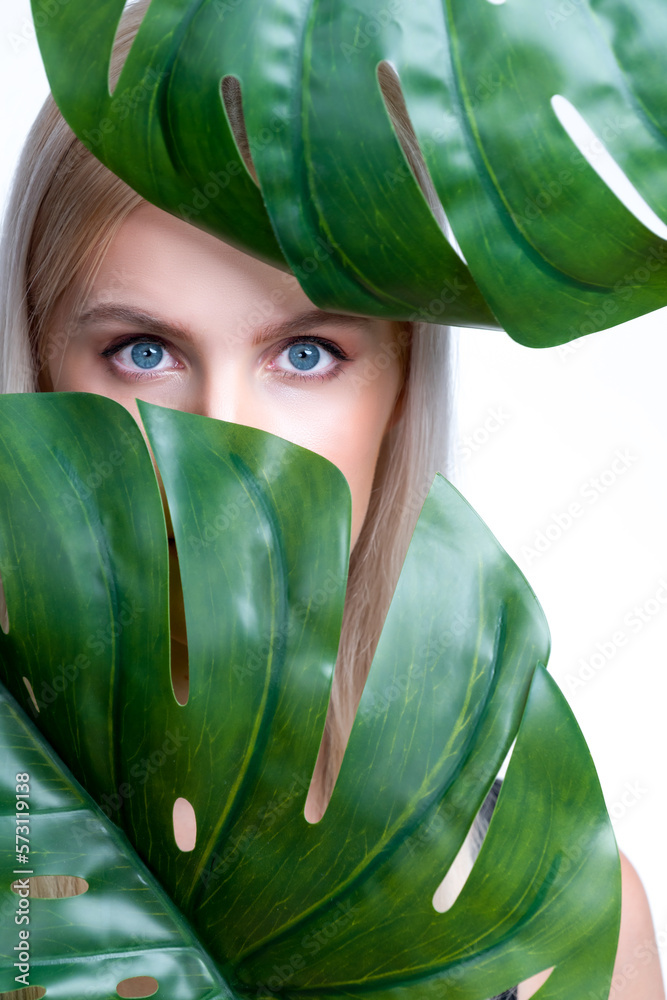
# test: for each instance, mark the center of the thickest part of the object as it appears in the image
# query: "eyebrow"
(302, 323)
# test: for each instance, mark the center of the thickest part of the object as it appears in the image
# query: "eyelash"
(134, 376)
(332, 349)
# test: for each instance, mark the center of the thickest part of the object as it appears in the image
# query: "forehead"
(155, 251)
(169, 268)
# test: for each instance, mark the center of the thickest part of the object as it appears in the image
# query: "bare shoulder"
(637, 974)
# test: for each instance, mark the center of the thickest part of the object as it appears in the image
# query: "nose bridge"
(219, 394)
(227, 395)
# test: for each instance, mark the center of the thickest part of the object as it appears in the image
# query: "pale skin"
(175, 317)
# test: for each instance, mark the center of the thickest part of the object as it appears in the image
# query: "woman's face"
(178, 318)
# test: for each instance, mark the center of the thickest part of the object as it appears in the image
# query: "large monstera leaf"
(551, 252)
(265, 901)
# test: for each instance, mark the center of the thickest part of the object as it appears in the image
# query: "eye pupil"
(147, 355)
(304, 356)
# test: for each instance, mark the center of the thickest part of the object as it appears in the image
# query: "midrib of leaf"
(479, 153)
(421, 803)
(159, 99)
(98, 534)
(362, 280)
(630, 94)
(260, 731)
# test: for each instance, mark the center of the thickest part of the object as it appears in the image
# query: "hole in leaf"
(394, 102)
(605, 166)
(4, 614)
(27, 993)
(138, 986)
(325, 774)
(529, 987)
(32, 695)
(180, 666)
(185, 825)
(452, 884)
(179, 657)
(54, 886)
(455, 880)
(233, 102)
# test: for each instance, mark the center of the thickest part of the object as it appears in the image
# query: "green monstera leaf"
(273, 903)
(122, 926)
(552, 253)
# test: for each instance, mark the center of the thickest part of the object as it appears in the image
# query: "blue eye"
(310, 360)
(141, 357)
(147, 354)
(304, 356)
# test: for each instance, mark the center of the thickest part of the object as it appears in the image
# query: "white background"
(561, 417)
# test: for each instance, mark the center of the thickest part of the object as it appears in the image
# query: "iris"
(147, 355)
(304, 356)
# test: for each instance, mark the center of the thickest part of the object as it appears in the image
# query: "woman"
(104, 293)
(65, 213)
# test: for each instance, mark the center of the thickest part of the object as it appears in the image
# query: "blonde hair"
(65, 210)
